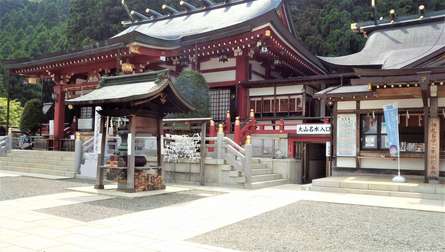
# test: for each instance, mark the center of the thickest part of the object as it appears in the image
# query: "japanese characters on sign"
(346, 138)
(314, 129)
(433, 149)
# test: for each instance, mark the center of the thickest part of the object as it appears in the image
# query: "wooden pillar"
(101, 154)
(242, 74)
(203, 150)
(424, 87)
(130, 154)
(59, 115)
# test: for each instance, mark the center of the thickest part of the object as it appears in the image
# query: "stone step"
(43, 157)
(380, 185)
(263, 184)
(266, 177)
(235, 174)
(261, 171)
(69, 174)
(432, 196)
(63, 166)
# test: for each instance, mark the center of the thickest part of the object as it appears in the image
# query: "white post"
(248, 162)
(9, 143)
(220, 142)
(78, 153)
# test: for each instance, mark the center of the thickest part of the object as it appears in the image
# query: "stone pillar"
(237, 131)
(78, 153)
(228, 124)
(248, 162)
(131, 154)
(101, 156)
(220, 143)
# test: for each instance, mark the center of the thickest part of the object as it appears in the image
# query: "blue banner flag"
(392, 128)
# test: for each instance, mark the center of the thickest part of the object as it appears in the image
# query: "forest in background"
(30, 28)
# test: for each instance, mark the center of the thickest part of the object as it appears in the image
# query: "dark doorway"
(314, 161)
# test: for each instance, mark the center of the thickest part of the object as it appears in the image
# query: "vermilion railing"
(250, 127)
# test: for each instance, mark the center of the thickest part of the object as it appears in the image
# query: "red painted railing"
(250, 127)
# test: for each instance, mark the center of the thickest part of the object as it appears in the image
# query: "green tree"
(32, 116)
(194, 89)
(16, 111)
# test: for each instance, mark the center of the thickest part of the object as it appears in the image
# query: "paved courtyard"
(42, 215)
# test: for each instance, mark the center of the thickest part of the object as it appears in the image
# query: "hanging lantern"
(264, 49)
(223, 58)
(237, 52)
(251, 53)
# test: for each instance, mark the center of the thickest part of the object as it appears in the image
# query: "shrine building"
(258, 70)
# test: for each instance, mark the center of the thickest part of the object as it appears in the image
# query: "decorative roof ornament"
(187, 6)
(392, 15)
(139, 15)
(208, 3)
(170, 9)
(127, 10)
(421, 11)
(153, 12)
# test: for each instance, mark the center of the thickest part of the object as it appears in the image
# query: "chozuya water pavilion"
(144, 99)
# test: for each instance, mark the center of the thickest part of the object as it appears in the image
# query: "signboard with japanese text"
(314, 129)
(433, 149)
(346, 135)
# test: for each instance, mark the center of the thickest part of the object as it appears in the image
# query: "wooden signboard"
(346, 135)
(433, 149)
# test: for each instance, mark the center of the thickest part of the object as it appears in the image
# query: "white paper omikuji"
(182, 147)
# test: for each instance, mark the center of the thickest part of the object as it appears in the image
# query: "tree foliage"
(32, 116)
(15, 112)
(324, 25)
(193, 88)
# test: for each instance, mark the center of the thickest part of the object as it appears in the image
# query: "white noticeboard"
(314, 129)
(346, 135)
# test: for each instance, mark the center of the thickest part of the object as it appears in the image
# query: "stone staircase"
(379, 185)
(262, 175)
(54, 163)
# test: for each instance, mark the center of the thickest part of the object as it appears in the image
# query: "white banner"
(314, 129)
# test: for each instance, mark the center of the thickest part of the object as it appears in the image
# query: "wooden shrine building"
(402, 63)
(229, 43)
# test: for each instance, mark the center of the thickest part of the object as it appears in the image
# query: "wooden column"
(101, 154)
(424, 86)
(130, 154)
(242, 74)
(59, 114)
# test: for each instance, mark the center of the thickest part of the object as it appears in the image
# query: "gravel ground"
(102, 209)
(20, 187)
(318, 226)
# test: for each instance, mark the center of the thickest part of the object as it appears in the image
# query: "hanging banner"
(391, 114)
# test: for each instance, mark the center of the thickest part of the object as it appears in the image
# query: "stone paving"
(320, 226)
(170, 227)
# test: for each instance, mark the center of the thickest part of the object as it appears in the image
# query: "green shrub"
(32, 116)
(194, 89)
(14, 114)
